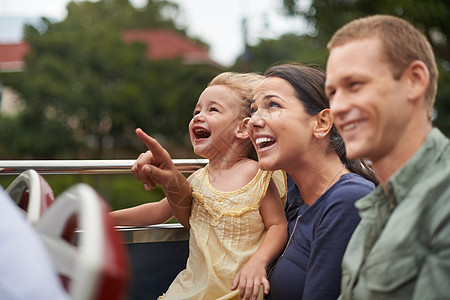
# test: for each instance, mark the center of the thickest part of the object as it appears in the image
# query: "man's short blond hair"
(401, 44)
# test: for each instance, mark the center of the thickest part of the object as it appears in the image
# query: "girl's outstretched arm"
(144, 214)
(253, 274)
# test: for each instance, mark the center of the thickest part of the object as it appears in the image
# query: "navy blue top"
(310, 267)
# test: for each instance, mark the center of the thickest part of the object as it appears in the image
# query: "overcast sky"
(217, 22)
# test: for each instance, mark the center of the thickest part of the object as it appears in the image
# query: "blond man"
(382, 81)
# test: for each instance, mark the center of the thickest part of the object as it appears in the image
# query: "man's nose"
(338, 105)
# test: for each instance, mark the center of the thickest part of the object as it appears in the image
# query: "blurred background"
(77, 77)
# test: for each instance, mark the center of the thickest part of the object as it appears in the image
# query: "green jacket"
(401, 247)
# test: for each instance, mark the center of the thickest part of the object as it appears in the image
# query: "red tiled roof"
(161, 44)
(11, 56)
(165, 43)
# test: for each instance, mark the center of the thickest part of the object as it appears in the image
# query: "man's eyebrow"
(344, 79)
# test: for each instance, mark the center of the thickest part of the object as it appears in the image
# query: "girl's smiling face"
(279, 128)
(215, 119)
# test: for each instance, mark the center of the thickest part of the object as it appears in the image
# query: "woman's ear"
(242, 130)
(324, 122)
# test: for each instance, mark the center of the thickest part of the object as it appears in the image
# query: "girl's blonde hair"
(243, 84)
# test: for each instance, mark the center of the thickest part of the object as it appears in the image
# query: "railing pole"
(123, 166)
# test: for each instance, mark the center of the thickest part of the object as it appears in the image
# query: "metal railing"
(131, 234)
(120, 166)
(149, 248)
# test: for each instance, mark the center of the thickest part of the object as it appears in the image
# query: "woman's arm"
(253, 274)
(142, 215)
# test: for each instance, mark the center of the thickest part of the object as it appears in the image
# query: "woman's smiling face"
(279, 128)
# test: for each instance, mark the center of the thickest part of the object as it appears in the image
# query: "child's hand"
(154, 166)
(139, 172)
(250, 278)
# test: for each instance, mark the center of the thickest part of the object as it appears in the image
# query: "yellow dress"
(226, 229)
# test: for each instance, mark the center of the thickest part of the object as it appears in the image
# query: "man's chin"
(353, 152)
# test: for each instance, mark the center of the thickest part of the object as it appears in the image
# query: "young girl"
(233, 209)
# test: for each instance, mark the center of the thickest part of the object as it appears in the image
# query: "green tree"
(432, 17)
(84, 90)
(288, 48)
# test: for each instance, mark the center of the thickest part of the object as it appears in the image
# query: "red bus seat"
(32, 194)
(87, 251)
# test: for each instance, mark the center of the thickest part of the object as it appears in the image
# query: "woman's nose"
(256, 120)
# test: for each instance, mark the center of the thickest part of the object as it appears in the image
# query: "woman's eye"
(213, 109)
(273, 104)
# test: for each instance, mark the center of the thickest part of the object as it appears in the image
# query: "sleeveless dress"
(226, 229)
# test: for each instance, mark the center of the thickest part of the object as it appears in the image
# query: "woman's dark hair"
(308, 83)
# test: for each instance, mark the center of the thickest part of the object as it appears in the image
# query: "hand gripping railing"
(120, 166)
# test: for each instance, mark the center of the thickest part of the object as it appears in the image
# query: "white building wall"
(10, 103)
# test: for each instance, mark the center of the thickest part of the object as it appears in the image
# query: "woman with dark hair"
(292, 129)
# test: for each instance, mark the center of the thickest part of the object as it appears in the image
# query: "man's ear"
(324, 122)
(418, 79)
(242, 130)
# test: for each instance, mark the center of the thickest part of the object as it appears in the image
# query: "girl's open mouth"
(201, 133)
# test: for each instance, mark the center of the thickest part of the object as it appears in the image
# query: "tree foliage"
(85, 90)
(288, 48)
(432, 17)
